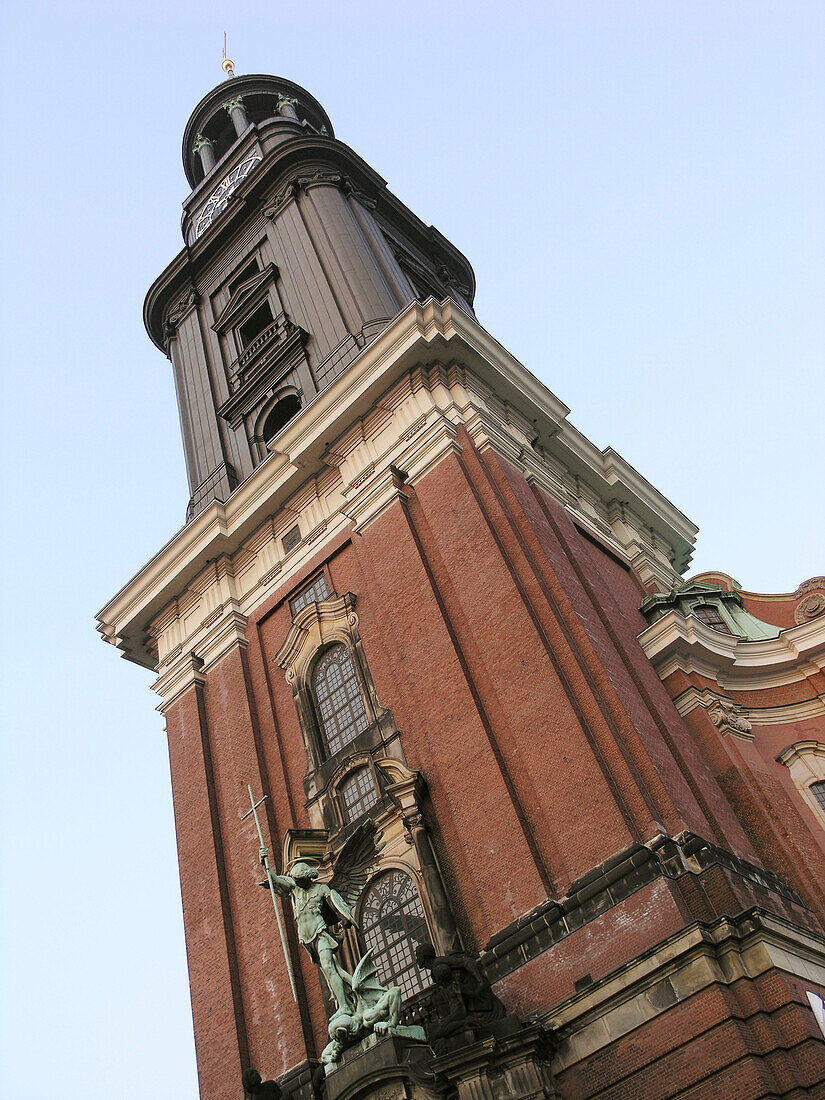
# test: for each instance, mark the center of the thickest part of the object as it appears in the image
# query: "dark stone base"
(510, 1065)
(302, 1081)
(381, 1069)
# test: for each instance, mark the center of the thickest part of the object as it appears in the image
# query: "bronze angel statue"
(362, 1004)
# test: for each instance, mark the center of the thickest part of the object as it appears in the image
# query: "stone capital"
(234, 104)
(202, 142)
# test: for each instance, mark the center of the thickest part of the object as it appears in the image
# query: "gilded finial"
(227, 65)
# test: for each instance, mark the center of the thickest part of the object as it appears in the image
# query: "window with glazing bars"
(358, 793)
(818, 791)
(393, 923)
(313, 593)
(338, 698)
(710, 615)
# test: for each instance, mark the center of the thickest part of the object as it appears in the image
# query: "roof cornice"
(421, 334)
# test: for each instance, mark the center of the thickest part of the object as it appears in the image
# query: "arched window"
(709, 614)
(338, 698)
(358, 793)
(393, 922)
(280, 416)
(818, 791)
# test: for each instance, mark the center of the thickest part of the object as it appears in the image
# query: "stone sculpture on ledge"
(463, 1005)
(363, 1006)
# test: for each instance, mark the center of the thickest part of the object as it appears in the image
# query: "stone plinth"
(514, 1066)
(382, 1069)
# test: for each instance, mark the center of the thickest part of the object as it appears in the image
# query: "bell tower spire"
(227, 65)
(296, 257)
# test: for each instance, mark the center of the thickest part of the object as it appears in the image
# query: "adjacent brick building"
(410, 592)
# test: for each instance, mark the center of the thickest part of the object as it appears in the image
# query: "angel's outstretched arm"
(281, 884)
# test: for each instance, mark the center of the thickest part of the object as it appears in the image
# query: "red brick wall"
(504, 642)
(748, 1040)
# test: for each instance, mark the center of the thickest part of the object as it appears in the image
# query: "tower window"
(280, 416)
(338, 698)
(393, 923)
(255, 324)
(314, 592)
(706, 613)
(818, 791)
(358, 793)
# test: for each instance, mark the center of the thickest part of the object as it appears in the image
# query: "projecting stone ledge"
(382, 1069)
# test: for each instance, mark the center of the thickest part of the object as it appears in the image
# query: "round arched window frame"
(393, 923)
(338, 699)
(279, 416)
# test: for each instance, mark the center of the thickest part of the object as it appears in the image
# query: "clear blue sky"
(639, 188)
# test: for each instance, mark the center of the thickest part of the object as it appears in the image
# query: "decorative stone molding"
(720, 952)
(728, 718)
(805, 760)
(676, 643)
(201, 142)
(693, 697)
(635, 868)
(179, 310)
(390, 420)
(183, 673)
(318, 625)
(815, 584)
(809, 607)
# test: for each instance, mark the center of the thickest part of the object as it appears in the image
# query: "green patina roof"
(729, 604)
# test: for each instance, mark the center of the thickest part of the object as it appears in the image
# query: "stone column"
(440, 905)
(286, 107)
(234, 108)
(205, 148)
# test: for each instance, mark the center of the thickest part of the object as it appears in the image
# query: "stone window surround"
(315, 629)
(805, 760)
(355, 763)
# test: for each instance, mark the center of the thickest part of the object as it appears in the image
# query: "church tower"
(445, 643)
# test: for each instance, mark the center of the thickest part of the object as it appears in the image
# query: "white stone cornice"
(367, 501)
(399, 404)
(685, 644)
(181, 673)
(814, 708)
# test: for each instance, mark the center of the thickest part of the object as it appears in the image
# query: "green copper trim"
(202, 142)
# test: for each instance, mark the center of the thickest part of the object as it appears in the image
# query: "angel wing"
(356, 861)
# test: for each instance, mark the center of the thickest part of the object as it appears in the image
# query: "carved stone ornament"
(179, 311)
(449, 280)
(302, 183)
(233, 104)
(728, 718)
(811, 606)
(812, 585)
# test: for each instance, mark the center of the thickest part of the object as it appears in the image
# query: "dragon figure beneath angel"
(363, 1004)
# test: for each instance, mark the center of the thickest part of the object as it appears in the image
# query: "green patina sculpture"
(363, 1006)
(318, 909)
